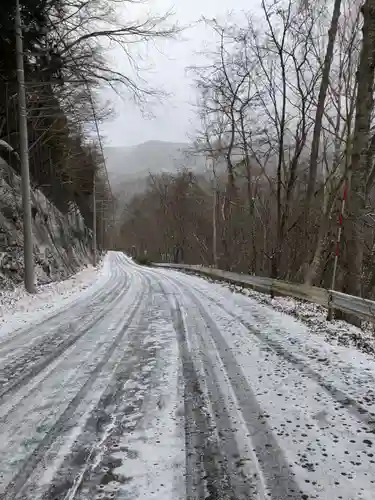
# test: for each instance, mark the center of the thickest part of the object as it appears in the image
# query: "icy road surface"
(158, 385)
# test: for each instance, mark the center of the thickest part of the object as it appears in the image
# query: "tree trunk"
(321, 100)
(358, 172)
(214, 227)
(314, 267)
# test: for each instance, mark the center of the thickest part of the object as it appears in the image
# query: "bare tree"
(337, 129)
(360, 170)
(282, 109)
(313, 167)
(82, 32)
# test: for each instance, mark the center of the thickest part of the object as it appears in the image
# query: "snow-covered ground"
(19, 308)
(315, 317)
(154, 384)
(309, 401)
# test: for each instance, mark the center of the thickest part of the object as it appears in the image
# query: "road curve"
(158, 385)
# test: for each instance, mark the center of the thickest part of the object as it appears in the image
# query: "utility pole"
(102, 225)
(214, 211)
(24, 157)
(94, 245)
(113, 228)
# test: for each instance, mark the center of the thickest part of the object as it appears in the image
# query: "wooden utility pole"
(24, 157)
(94, 238)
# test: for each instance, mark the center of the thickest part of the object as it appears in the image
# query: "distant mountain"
(128, 164)
(129, 167)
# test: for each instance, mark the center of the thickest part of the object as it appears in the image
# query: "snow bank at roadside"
(315, 316)
(335, 332)
(18, 308)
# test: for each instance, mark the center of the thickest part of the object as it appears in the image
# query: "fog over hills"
(129, 167)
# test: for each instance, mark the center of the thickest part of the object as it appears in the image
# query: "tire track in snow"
(221, 467)
(279, 477)
(61, 313)
(92, 464)
(206, 477)
(31, 462)
(47, 362)
(244, 482)
(58, 350)
(27, 338)
(341, 397)
(101, 425)
(104, 299)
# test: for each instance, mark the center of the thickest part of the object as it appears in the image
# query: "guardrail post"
(330, 307)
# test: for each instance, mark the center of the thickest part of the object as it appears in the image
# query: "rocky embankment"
(61, 241)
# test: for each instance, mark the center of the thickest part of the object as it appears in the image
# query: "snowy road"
(158, 385)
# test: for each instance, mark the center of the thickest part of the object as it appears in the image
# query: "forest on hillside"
(66, 65)
(292, 90)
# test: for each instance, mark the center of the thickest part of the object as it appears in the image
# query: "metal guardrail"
(362, 308)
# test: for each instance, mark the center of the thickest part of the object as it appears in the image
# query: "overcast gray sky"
(175, 119)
